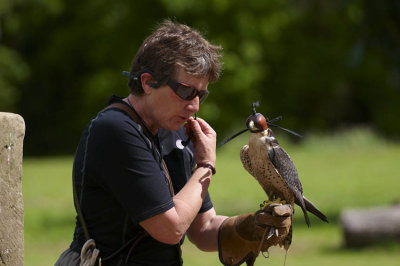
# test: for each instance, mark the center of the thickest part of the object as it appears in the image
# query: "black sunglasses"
(186, 92)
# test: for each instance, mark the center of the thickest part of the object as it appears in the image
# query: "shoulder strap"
(132, 113)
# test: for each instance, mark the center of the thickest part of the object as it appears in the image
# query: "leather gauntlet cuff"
(233, 247)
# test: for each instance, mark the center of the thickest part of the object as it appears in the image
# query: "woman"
(138, 190)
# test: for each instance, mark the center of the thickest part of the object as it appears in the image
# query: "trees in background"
(320, 64)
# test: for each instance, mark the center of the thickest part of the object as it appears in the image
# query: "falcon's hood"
(256, 123)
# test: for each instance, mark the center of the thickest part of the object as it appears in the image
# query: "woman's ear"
(148, 82)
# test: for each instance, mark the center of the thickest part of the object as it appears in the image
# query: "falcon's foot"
(269, 203)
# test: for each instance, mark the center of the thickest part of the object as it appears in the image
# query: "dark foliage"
(320, 64)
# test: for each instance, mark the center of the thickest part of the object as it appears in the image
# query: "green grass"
(352, 169)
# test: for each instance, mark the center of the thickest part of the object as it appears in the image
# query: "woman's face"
(169, 111)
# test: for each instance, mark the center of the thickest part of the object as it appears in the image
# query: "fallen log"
(375, 225)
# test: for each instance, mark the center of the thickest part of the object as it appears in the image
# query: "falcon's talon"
(271, 232)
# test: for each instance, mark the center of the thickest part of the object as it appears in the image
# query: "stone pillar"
(12, 132)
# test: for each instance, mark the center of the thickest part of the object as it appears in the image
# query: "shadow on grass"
(386, 246)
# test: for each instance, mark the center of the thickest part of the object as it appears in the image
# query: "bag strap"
(77, 206)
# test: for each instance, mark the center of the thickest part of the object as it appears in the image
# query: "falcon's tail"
(303, 208)
(314, 210)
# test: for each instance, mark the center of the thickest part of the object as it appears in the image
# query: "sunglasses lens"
(185, 92)
(203, 96)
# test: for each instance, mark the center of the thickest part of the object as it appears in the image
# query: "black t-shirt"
(120, 182)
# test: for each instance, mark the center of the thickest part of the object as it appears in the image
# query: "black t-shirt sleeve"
(127, 167)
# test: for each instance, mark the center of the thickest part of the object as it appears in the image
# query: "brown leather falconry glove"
(241, 238)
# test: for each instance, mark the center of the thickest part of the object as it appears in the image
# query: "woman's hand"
(204, 140)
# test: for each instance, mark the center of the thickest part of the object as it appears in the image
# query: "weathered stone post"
(12, 132)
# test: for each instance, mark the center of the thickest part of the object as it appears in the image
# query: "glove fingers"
(279, 209)
(269, 220)
(282, 210)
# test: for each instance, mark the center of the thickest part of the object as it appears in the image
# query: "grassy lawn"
(352, 169)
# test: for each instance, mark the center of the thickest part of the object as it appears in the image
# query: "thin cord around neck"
(141, 119)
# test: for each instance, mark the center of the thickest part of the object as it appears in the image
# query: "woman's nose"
(194, 105)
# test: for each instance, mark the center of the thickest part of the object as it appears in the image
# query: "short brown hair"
(170, 45)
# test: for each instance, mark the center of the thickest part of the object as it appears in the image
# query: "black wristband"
(207, 165)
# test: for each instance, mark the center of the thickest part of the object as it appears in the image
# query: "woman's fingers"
(204, 140)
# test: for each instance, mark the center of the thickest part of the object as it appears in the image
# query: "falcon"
(274, 170)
